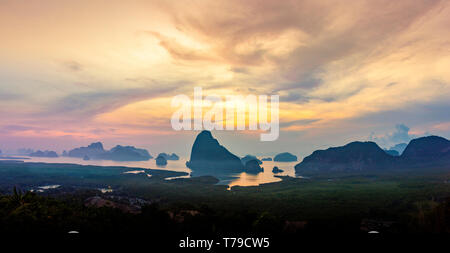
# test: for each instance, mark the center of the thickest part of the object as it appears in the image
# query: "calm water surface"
(242, 179)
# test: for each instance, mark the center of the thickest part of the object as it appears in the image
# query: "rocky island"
(426, 151)
(92, 150)
(253, 167)
(172, 157)
(285, 157)
(161, 160)
(357, 156)
(276, 170)
(46, 153)
(353, 156)
(247, 158)
(125, 153)
(118, 153)
(209, 156)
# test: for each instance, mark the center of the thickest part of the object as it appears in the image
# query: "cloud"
(8, 96)
(72, 66)
(7, 129)
(90, 104)
(301, 122)
(358, 66)
(298, 38)
(399, 135)
(241, 70)
(293, 97)
(180, 52)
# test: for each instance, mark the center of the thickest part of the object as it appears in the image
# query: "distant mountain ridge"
(253, 167)
(392, 152)
(118, 153)
(353, 156)
(46, 153)
(92, 150)
(427, 150)
(431, 150)
(125, 153)
(399, 147)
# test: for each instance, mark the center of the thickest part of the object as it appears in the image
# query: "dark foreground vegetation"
(391, 203)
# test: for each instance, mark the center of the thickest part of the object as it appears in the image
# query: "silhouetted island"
(285, 157)
(208, 155)
(253, 167)
(427, 150)
(247, 158)
(423, 153)
(161, 160)
(353, 156)
(118, 153)
(125, 153)
(24, 151)
(172, 157)
(46, 153)
(276, 170)
(266, 159)
(93, 150)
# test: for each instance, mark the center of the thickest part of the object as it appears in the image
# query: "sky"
(75, 72)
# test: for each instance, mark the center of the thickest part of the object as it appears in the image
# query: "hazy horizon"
(184, 150)
(77, 72)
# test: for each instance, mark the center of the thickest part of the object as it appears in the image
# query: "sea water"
(240, 179)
